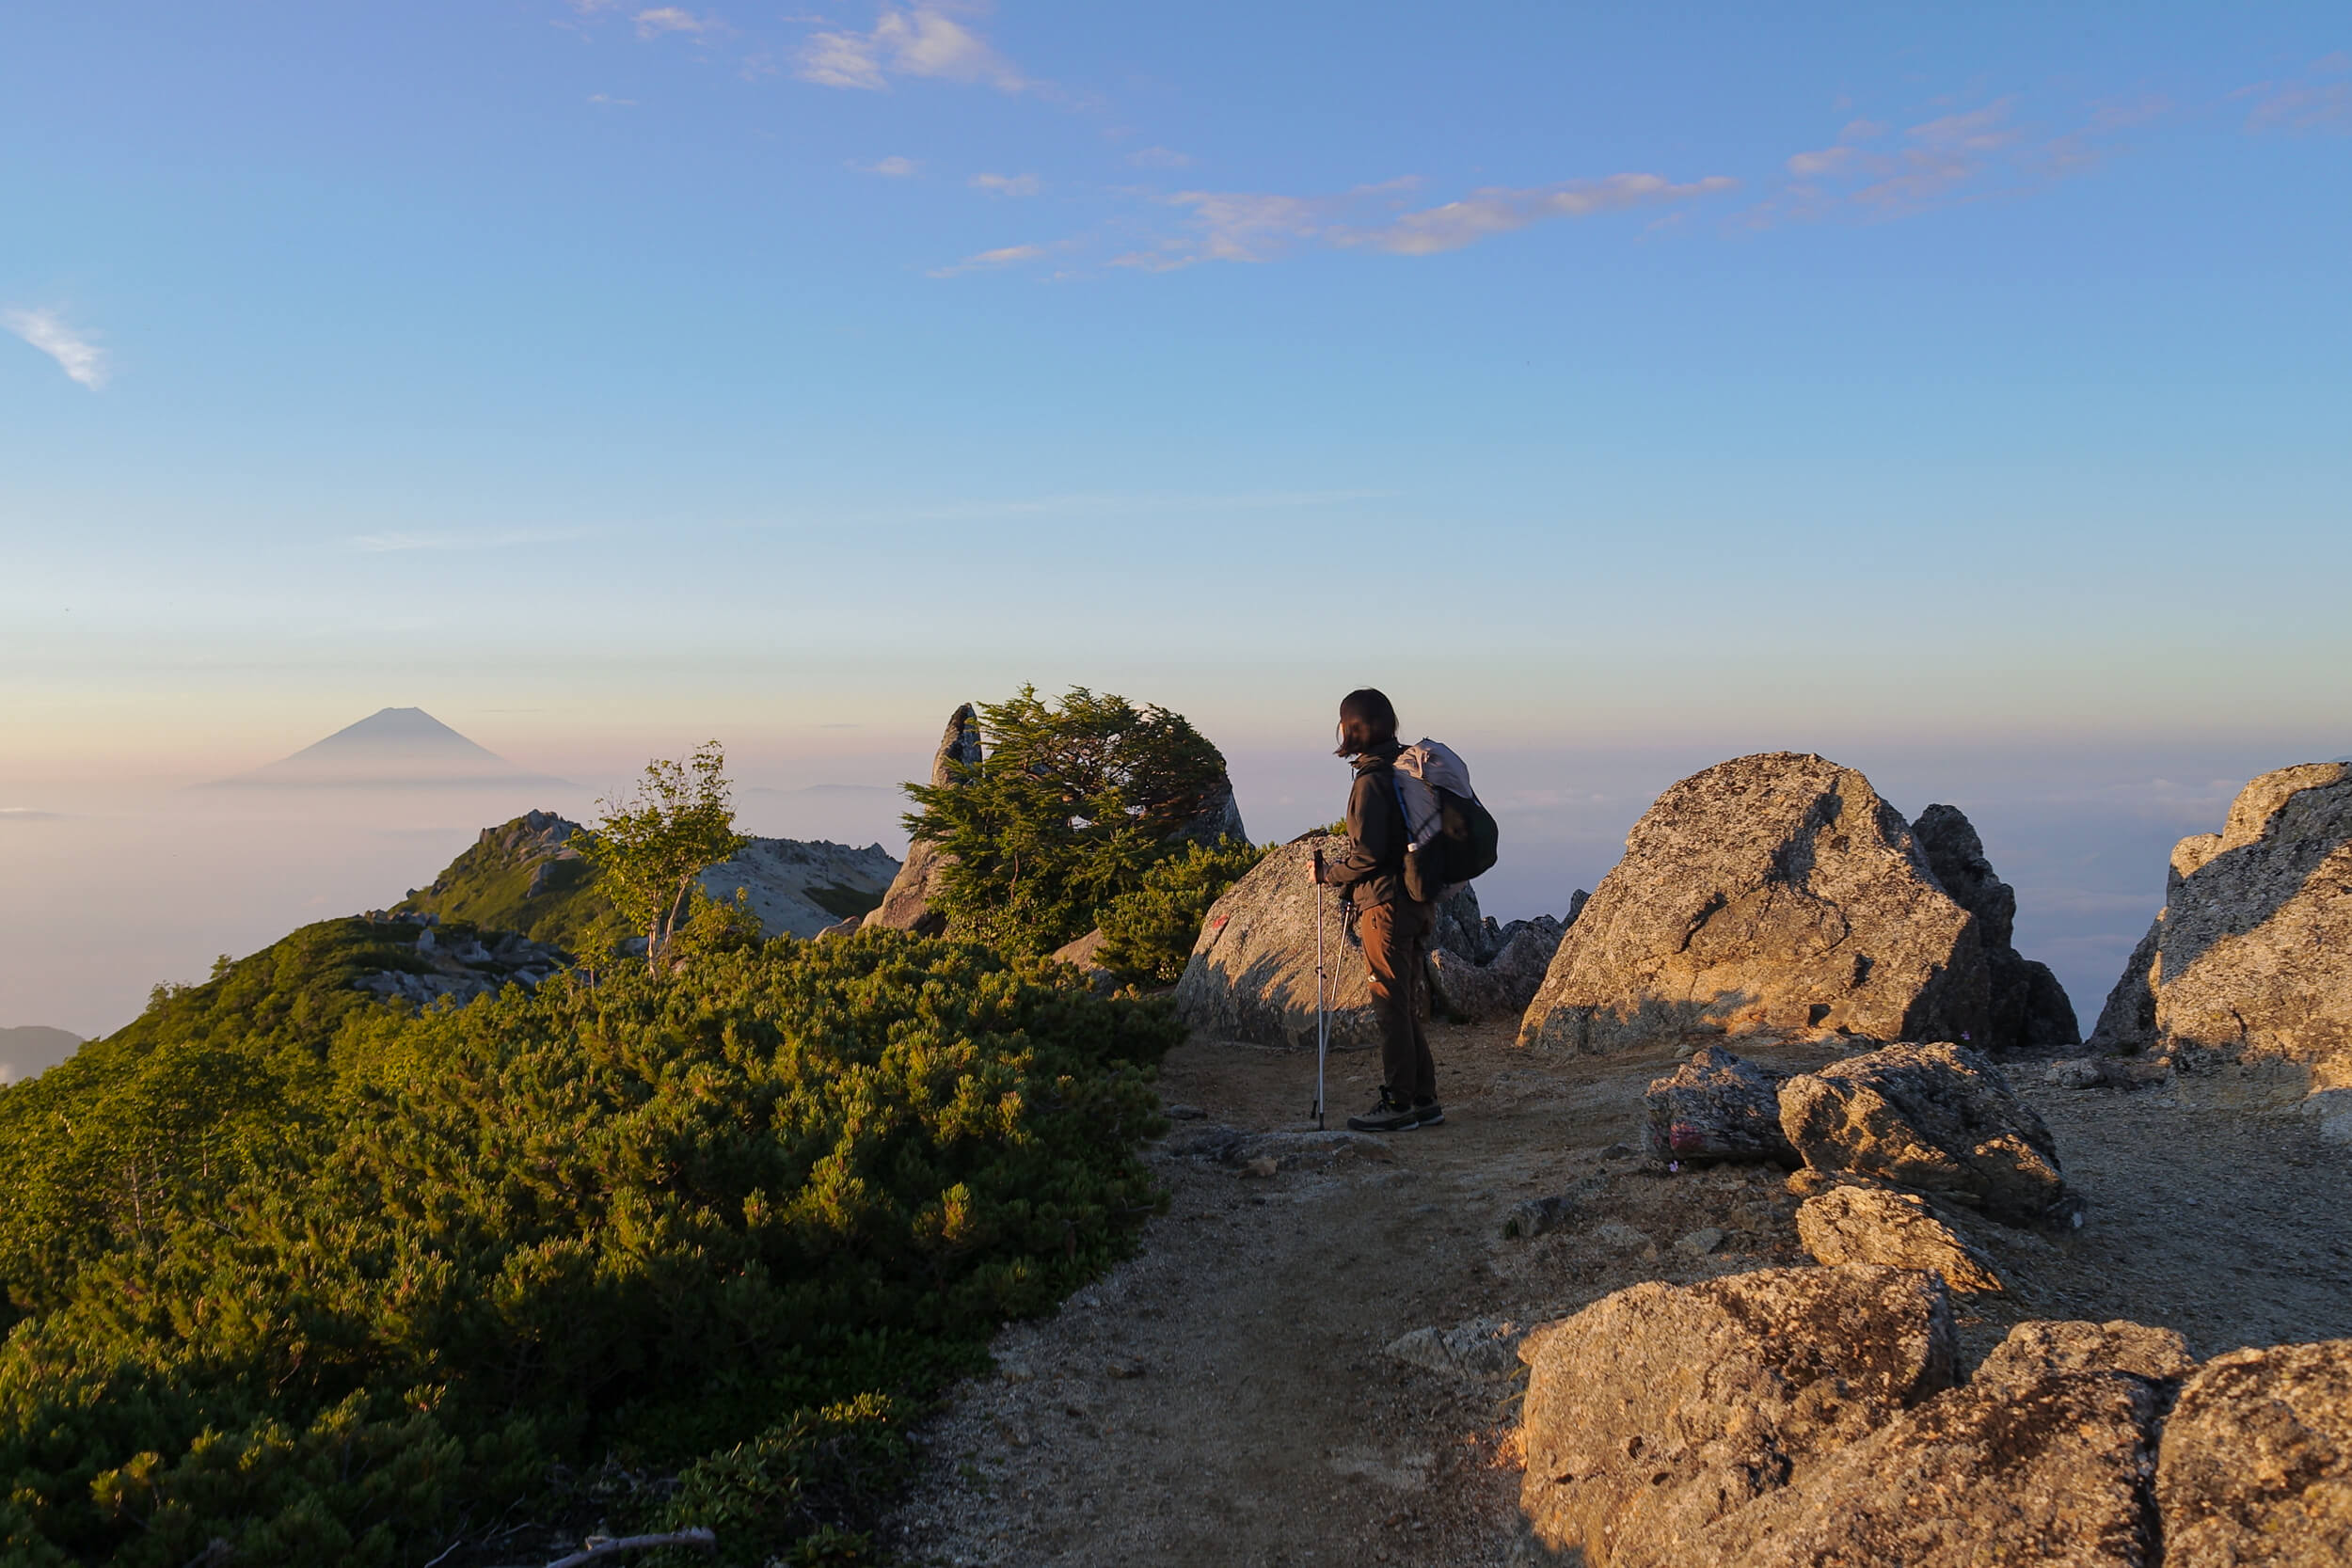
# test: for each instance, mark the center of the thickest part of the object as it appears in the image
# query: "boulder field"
(1817, 1415)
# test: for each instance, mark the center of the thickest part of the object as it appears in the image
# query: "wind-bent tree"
(1074, 802)
(651, 846)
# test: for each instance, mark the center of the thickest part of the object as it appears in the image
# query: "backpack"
(1450, 836)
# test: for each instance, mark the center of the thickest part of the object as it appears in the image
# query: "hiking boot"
(1391, 1115)
(1430, 1112)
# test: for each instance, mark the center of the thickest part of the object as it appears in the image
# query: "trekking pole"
(1323, 1013)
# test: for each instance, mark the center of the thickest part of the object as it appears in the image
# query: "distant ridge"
(393, 748)
(28, 1049)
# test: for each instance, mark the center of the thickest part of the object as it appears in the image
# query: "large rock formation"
(2025, 1005)
(1938, 1118)
(2251, 955)
(1220, 819)
(1656, 1411)
(1251, 975)
(803, 887)
(1501, 984)
(906, 905)
(1773, 893)
(2256, 1467)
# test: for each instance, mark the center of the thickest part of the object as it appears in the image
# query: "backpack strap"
(1404, 813)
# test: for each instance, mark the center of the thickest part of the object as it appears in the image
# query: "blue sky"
(415, 337)
(602, 376)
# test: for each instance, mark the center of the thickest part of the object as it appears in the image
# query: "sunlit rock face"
(1769, 895)
(2251, 955)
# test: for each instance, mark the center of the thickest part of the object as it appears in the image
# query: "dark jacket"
(1371, 870)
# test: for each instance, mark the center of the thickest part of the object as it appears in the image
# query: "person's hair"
(1366, 720)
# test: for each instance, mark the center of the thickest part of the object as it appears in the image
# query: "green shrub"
(724, 1219)
(1148, 934)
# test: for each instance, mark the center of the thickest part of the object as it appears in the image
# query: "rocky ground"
(1226, 1396)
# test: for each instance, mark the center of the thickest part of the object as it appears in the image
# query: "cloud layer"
(47, 331)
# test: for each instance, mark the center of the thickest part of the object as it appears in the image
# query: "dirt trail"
(1224, 1397)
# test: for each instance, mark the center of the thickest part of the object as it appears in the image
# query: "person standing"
(1391, 923)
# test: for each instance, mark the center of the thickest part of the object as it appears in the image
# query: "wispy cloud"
(923, 40)
(2318, 100)
(383, 544)
(1159, 157)
(1866, 172)
(671, 19)
(606, 101)
(75, 354)
(989, 260)
(1007, 185)
(1253, 226)
(892, 168)
(25, 814)
(1497, 209)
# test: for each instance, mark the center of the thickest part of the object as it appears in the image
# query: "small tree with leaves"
(650, 847)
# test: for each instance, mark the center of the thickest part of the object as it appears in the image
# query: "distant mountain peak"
(396, 731)
(400, 748)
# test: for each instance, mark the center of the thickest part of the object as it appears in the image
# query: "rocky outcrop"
(1503, 985)
(1876, 1225)
(1220, 819)
(1714, 1107)
(2049, 1472)
(906, 905)
(462, 967)
(2024, 1004)
(801, 887)
(2251, 956)
(2128, 1020)
(1938, 1118)
(1795, 1418)
(1085, 956)
(2256, 1466)
(1657, 1411)
(1251, 975)
(1772, 893)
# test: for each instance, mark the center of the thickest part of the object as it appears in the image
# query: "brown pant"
(1393, 935)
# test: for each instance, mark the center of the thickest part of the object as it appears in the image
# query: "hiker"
(1391, 923)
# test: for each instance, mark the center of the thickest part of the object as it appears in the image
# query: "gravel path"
(1225, 1396)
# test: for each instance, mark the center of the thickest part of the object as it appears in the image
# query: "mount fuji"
(395, 748)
